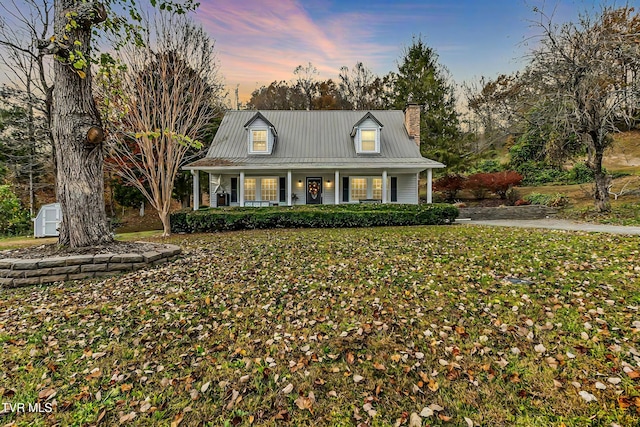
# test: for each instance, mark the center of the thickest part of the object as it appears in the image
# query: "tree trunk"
(602, 181)
(166, 224)
(79, 173)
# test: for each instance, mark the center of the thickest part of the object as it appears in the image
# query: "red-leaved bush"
(496, 182)
(449, 186)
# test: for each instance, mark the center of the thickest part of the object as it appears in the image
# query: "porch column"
(336, 187)
(289, 201)
(213, 201)
(384, 186)
(429, 179)
(196, 189)
(241, 184)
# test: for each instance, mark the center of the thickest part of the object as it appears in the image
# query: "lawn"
(439, 326)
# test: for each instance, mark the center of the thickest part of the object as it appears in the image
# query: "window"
(358, 189)
(377, 188)
(259, 141)
(250, 189)
(369, 187)
(368, 140)
(269, 189)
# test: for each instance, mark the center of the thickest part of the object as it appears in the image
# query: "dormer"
(261, 135)
(366, 135)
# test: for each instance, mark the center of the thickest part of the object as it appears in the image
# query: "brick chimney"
(412, 122)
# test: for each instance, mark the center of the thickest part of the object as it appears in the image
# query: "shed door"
(51, 220)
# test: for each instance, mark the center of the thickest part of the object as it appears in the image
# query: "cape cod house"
(266, 158)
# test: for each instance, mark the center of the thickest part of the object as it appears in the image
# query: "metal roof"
(313, 139)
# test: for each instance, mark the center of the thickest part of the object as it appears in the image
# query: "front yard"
(447, 325)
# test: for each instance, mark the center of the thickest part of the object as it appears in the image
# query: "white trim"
(359, 149)
(384, 186)
(266, 142)
(196, 189)
(289, 190)
(241, 189)
(336, 187)
(429, 180)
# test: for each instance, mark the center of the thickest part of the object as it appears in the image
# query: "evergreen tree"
(422, 80)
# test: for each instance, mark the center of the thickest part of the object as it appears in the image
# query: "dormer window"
(262, 135)
(366, 135)
(368, 138)
(259, 140)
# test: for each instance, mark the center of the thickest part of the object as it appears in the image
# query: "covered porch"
(269, 187)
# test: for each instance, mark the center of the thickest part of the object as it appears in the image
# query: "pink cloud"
(262, 41)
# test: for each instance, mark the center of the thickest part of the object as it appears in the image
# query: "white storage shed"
(47, 222)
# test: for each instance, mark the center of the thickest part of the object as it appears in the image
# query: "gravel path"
(558, 224)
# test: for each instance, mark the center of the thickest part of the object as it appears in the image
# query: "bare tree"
(306, 82)
(586, 71)
(356, 86)
(22, 23)
(164, 103)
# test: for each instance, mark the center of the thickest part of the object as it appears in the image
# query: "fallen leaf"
(444, 417)
(47, 393)
(129, 417)
(379, 366)
(415, 420)
(205, 387)
(357, 378)
(288, 389)
(426, 412)
(306, 402)
(368, 408)
(469, 421)
(588, 397)
(177, 419)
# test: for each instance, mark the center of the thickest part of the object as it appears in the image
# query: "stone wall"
(23, 272)
(508, 212)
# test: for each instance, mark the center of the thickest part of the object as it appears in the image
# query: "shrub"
(361, 215)
(14, 220)
(539, 173)
(552, 200)
(449, 186)
(477, 185)
(488, 166)
(580, 173)
(512, 195)
(497, 182)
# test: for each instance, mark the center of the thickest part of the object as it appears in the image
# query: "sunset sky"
(259, 41)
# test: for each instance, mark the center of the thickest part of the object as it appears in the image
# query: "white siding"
(407, 188)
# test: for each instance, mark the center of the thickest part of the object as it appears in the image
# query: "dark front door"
(314, 191)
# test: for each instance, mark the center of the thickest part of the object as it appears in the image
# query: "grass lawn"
(26, 241)
(464, 325)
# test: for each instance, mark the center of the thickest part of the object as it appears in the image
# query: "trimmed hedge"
(326, 216)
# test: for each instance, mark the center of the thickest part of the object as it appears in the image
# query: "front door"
(314, 191)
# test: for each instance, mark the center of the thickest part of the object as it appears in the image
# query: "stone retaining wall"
(508, 212)
(23, 272)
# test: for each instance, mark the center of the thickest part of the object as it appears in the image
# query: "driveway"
(557, 224)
